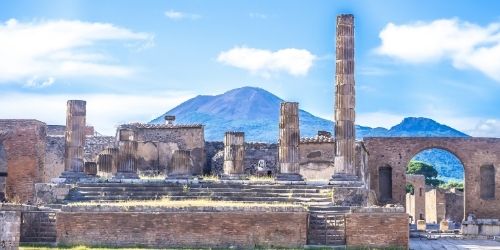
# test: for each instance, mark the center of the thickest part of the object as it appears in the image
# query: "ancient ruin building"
(344, 99)
(415, 201)
(288, 154)
(156, 144)
(75, 139)
(234, 155)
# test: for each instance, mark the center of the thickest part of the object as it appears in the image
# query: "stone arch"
(472, 153)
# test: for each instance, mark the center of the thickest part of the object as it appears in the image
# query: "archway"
(442, 194)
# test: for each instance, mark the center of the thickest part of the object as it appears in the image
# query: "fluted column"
(127, 160)
(75, 139)
(234, 155)
(288, 151)
(90, 168)
(344, 98)
(181, 165)
(107, 162)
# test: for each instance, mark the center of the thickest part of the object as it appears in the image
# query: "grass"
(261, 178)
(167, 202)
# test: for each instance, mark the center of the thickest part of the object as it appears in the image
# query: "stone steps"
(38, 227)
(215, 198)
(326, 227)
(201, 193)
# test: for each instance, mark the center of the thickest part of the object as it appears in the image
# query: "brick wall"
(25, 150)
(377, 229)
(174, 229)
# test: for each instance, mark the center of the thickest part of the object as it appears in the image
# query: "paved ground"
(424, 244)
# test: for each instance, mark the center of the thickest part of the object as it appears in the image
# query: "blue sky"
(133, 60)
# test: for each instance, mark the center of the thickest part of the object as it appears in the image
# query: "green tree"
(430, 173)
(452, 184)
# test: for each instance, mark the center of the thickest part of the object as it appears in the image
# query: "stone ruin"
(353, 190)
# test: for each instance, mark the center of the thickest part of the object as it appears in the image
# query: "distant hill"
(255, 111)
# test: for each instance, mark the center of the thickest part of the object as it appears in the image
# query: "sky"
(134, 60)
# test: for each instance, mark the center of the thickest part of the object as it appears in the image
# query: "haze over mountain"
(255, 111)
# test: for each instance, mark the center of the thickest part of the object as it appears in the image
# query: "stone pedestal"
(75, 140)
(234, 156)
(288, 151)
(181, 165)
(421, 225)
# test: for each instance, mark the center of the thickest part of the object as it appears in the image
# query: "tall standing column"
(288, 151)
(234, 155)
(344, 99)
(75, 139)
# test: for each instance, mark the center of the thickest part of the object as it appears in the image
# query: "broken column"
(75, 139)
(344, 100)
(234, 155)
(90, 168)
(107, 162)
(181, 165)
(127, 160)
(289, 138)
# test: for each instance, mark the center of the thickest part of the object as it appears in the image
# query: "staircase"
(38, 227)
(303, 194)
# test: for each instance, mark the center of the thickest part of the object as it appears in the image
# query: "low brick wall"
(183, 229)
(377, 227)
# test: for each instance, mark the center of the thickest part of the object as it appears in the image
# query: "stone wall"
(317, 158)
(54, 153)
(25, 150)
(435, 206)
(10, 229)
(243, 229)
(454, 206)
(415, 203)
(377, 227)
(396, 152)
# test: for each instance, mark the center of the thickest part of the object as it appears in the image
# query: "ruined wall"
(454, 206)
(183, 229)
(415, 203)
(375, 227)
(54, 153)
(10, 229)
(25, 150)
(156, 144)
(254, 152)
(396, 152)
(317, 157)
(3, 170)
(435, 206)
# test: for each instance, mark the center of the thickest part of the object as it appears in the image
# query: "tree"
(452, 184)
(430, 173)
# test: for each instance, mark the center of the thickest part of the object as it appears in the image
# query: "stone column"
(127, 160)
(234, 155)
(107, 162)
(90, 168)
(75, 139)
(181, 165)
(344, 100)
(288, 151)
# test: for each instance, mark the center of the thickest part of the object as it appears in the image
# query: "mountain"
(256, 112)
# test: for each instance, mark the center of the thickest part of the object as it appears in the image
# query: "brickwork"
(377, 229)
(473, 153)
(183, 229)
(415, 203)
(25, 150)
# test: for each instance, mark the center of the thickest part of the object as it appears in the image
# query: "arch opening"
(443, 190)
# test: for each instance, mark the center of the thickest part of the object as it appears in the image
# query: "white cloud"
(104, 111)
(378, 119)
(51, 49)
(466, 45)
(296, 62)
(177, 15)
(487, 128)
(36, 82)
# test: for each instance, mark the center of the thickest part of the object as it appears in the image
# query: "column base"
(73, 177)
(125, 175)
(234, 177)
(345, 180)
(289, 177)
